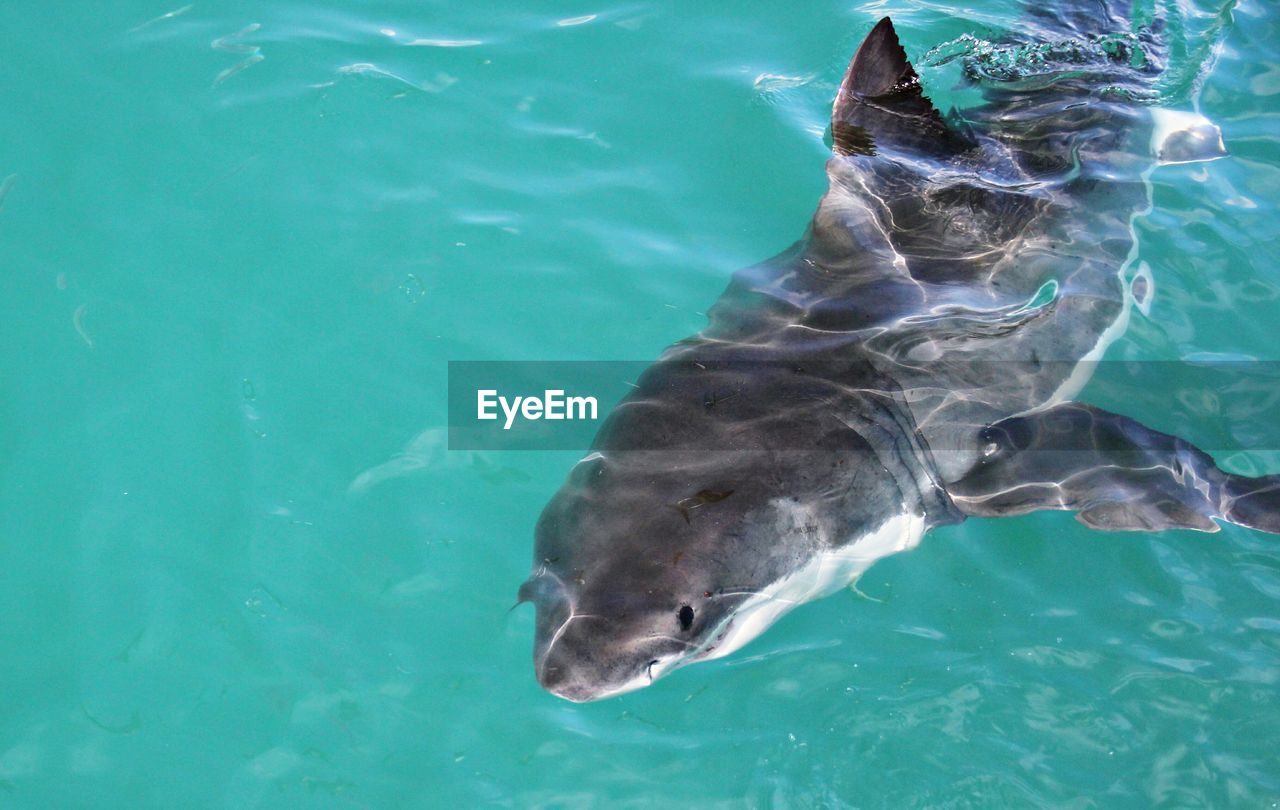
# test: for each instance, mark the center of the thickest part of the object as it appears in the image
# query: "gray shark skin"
(910, 362)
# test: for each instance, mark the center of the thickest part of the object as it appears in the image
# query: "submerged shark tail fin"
(881, 103)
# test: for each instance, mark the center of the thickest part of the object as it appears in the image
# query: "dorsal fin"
(880, 102)
(879, 67)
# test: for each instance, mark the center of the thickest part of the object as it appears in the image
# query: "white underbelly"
(822, 576)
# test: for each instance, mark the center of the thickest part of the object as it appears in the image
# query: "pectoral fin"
(1116, 474)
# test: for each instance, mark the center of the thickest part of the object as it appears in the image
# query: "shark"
(912, 361)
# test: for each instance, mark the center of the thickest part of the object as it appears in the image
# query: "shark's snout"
(556, 643)
(581, 655)
(565, 673)
(584, 657)
(562, 675)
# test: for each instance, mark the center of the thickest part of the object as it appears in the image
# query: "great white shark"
(913, 360)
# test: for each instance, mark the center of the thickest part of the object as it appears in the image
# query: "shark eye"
(685, 615)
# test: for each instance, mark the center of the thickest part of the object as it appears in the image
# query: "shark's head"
(595, 640)
(627, 581)
(645, 565)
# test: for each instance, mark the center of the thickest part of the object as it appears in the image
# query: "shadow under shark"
(910, 362)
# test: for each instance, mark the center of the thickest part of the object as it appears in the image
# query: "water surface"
(240, 242)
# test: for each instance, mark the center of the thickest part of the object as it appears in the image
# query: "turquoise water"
(238, 245)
